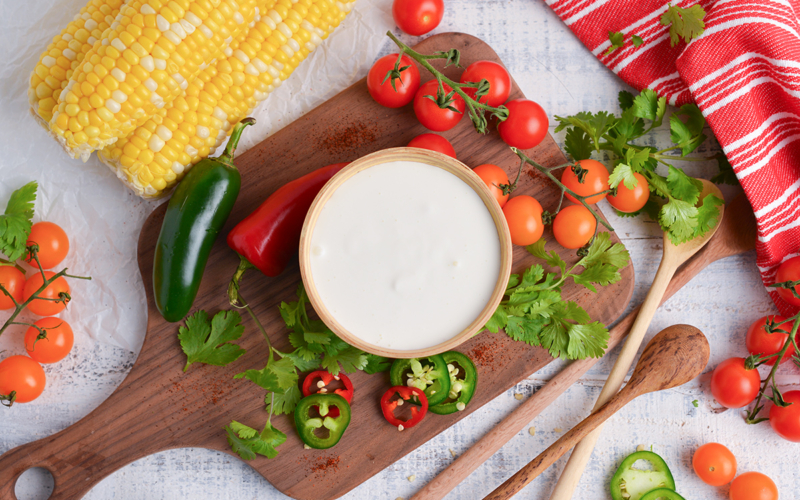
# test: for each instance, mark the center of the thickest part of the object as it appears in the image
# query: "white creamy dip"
(405, 255)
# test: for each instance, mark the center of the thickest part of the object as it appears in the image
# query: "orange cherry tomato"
(595, 180)
(524, 217)
(494, 177)
(714, 464)
(53, 244)
(753, 486)
(56, 345)
(631, 200)
(574, 226)
(14, 282)
(22, 375)
(53, 291)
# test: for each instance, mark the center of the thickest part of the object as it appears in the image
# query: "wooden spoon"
(675, 356)
(736, 235)
(673, 257)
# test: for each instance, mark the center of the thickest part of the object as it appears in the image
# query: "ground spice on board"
(483, 354)
(341, 140)
(324, 464)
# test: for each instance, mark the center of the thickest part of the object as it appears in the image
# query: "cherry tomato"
(759, 341)
(53, 244)
(46, 307)
(786, 421)
(430, 114)
(495, 176)
(14, 282)
(631, 200)
(23, 375)
(525, 126)
(417, 17)
(732, 385)
(383, 92)
(714, 464)
(524, 217)
(497, 76)
(595, 180)
(55, 346)
(574, 226)
(433, 142)
(789, 271)
(753, 486)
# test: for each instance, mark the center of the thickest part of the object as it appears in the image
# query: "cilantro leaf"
(687, 136)
(377, 364)
(707, 214)
(277, 376)
(578, 144)
(629, 126)
(595, 125)
(680, 219)
(726, 175)
(637, 40)
(649, 106)
(602, 263)
(283, 402)
(617, 40)
(588, 340)
(683, 187)
(302, 364)
(15, 223)
(625, 99)
(351, 359)
(247, 442)
(684, 23)
(622, 173)
(209, 342)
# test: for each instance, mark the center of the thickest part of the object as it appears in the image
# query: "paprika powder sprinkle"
(345, 140)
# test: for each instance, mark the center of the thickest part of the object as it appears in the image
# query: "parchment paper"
(100, 215)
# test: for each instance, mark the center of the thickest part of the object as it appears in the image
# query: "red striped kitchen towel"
(744, 74)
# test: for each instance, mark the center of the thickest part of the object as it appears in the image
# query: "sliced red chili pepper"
(417, 412)
(326, 378)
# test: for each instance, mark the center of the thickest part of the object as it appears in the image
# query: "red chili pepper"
(417, 412)
(327, 378)
(269, 237)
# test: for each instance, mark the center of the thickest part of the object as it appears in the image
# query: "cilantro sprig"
(684, 24)
(532, 310)
(15, 222)
(210, 342)
(675, 200)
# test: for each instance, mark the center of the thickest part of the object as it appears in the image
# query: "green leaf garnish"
(208, 342)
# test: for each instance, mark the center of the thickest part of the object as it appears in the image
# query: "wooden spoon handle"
(548, 457)
(583, 451)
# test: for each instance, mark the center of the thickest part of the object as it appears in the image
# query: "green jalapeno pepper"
(195, 215)
(629, 483)
(662, 494)
(463, 380)
(429, 375)
(314, 413)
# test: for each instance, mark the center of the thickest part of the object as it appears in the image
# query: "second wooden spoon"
(675, 356)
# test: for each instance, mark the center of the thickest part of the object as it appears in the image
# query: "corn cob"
(158, 153)
(65, 53)
(149, 55)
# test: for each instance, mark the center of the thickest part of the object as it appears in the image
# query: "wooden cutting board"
(159, 407)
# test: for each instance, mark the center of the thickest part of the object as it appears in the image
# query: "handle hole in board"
(36, 483)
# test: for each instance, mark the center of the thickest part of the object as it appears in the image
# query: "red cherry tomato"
(433, 142)
(55, 346)
(595, 180)
(53, 291)
(430, 114)
(759, 341)
(497, 76)
(631, 200)
(383, 92)
(524, 217)
(753, 486)
(525, 126)
(53, 244)
(22, 375)
(785, 421)
(789, 271)
(14, 282)
(574, 226)
(494, 177)
(732, 385)
(417, 17)
(714, 464)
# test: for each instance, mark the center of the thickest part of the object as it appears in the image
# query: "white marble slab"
(554, 69)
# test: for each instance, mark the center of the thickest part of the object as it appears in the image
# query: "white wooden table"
(554, 69)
